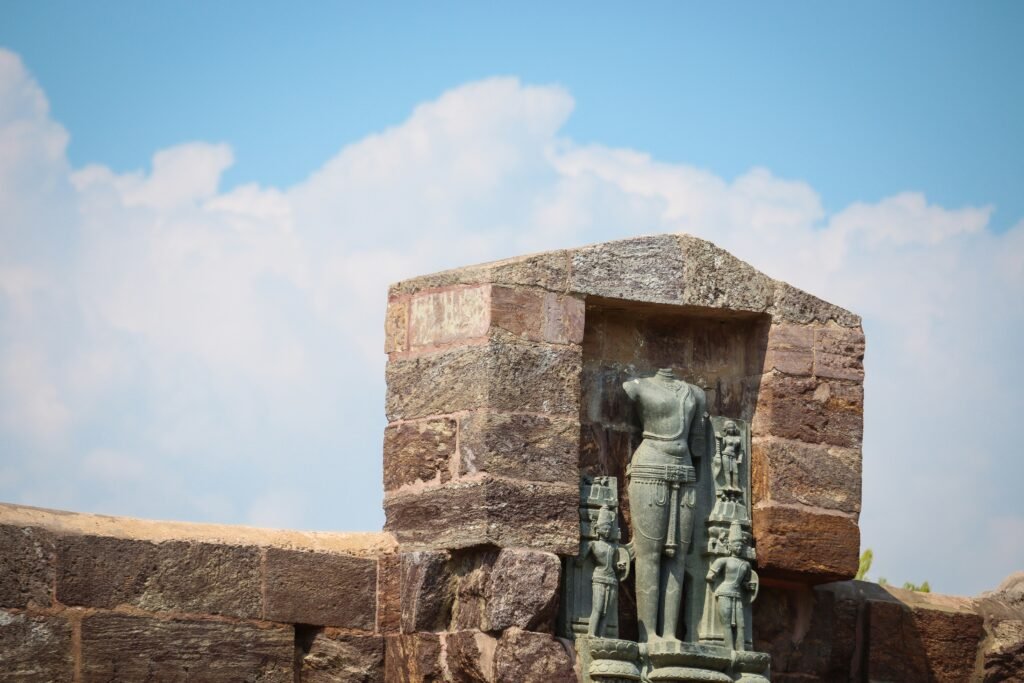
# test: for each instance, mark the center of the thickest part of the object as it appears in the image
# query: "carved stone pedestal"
(673, 660)
(751, 667)
(608, 660)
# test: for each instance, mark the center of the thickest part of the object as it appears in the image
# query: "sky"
(202, 205)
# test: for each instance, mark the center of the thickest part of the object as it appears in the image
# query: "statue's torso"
(734, 574)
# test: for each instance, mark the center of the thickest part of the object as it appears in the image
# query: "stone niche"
(504, 386)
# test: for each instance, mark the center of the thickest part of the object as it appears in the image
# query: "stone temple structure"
(637, 460)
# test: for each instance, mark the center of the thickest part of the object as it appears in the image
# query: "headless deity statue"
(728, 459)
(662, 495)
(610, 567)
(738, 579)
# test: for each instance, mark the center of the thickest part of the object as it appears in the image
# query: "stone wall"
(94, 598)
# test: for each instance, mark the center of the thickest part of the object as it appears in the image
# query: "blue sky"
(201, 206)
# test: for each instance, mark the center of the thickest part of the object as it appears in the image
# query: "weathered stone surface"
(529, 447)
(26, 566)
(470, 656)
(549, 270)
(449, 316)
(389, 593)
(564, 318)
(321, 588)
(818, 475)
(396, 326)
(714, 278)
(932, 638)
(413, 658)
(487, 510)
(522, 591)
(428, 590)
(648, 269)
(503, 375)
(1003, 612)
(803, 544)
(328, 655)
(178, 576)
(418, 451)
(537, 315)
(35, 648)
(525, 656)
(839, 353)
(474, 581)
(808, 410)
(790, 349)
(122, 647)
(797, 306)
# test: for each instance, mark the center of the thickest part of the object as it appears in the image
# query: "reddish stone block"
(525, 656)
(522, 591)
(419, 451)
(839, 353)
(529, 447)
(790, 350)
(396, 326)
(805, 409)
(413, 658)
(26, 566)
(176, 576)
(469, 656)
(428, 591)
(35, 648)
(389, 593)
(563, 319)
(327, 655)
(800, 543)
(449, 316)
(122, 647)
(487, 510)
(321, 588)
(818, 475)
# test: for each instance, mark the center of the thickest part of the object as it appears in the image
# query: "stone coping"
(361, 544)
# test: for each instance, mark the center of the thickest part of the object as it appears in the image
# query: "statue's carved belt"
(673, 474)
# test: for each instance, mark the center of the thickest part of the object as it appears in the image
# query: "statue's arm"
(699, 427)
(585, 549)
(632, 388)
(716, 566)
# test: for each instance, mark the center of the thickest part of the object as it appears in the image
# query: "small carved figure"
(610, 566)
(720, 542)
(727, 460)
(662, 491)
(738, 580)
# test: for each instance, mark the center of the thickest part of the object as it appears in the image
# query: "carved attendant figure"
(662, 495)
(737, 579)
(729, 458)
(610, 567)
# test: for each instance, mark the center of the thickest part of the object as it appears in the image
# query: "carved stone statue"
(728, 458)
(662, 496)
(610, 567)
(738, 580)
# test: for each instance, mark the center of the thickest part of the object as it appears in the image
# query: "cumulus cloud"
(171, 348)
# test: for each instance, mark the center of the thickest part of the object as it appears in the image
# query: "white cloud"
(224, 348)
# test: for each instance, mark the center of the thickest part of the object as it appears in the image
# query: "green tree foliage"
(865, 565)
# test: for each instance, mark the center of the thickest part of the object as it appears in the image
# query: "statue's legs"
(740, 642)
(598, 610)
(648, 500)
(726, 610)
(674, 571)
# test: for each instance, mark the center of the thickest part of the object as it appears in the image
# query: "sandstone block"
(35, 648)
(797, 306)
(649, 269)
(804, 409)
(504, 375)
(522, 591)
(428, 590)
(537, 315)
(396, 326)
(487, 510)
(321, 588)
(472, 593)
(802, 544)
(817, 475)
(418, 452)
(529, 447)
(122, 647)
(549, 270)
(26, 566)
(714, 278)
(413, 658)
(525, 656)
(177, 576)
(790, 350)
(469, 656)
(449, 316)
(389, 593)
(329, 655)
(839, 353)
(921, 643)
